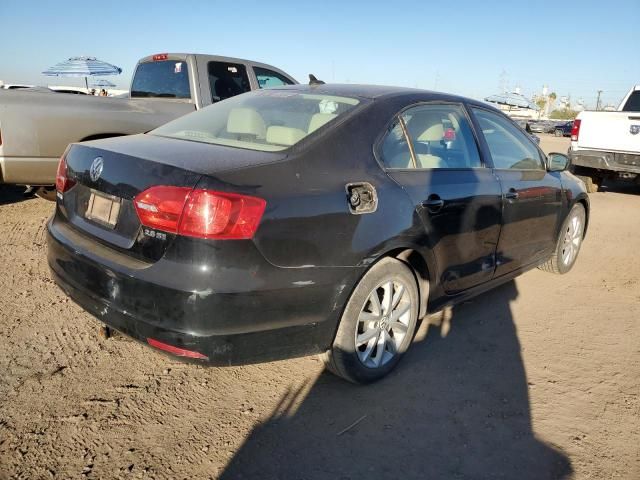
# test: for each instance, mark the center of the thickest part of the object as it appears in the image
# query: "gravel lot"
(537, 379)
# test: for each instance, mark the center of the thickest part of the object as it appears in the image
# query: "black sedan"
(321, 218)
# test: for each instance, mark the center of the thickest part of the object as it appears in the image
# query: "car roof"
(375, 92)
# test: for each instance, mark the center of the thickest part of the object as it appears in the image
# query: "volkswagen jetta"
(320, 218)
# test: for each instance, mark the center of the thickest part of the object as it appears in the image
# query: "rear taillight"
(575, 130)
(63, 182)
(160, 56)
(200, 213)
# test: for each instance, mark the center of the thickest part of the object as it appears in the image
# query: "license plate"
(103, 209)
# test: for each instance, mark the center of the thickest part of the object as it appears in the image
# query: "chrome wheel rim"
(572, 240)
(383, 323)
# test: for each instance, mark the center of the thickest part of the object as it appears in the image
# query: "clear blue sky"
(464, 47)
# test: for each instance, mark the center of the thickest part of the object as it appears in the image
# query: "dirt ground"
(537, 379)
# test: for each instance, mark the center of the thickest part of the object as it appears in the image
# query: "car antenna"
(314, 81)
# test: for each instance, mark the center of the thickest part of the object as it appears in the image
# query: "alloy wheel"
(383, 323)
(572, 239)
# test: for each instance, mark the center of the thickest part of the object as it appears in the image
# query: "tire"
(558, 133)
(393, 284)
(591, 183)
(569, 242)
(47, 193)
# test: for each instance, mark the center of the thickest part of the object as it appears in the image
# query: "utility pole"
(598, 101)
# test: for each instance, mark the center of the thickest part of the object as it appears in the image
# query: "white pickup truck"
(607, 144)
(36, 125)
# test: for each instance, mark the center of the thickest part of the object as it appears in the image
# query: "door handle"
(434, 203)
(512, 194)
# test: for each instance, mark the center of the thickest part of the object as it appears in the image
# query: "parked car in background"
(36, 127)
(315, 218)
(563, 129)
(524, 124)
(14, 86)
(537, 126)
(607, 144)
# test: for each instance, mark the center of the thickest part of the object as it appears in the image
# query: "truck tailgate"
(610, 131)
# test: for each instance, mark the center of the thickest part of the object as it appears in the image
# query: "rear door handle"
(512, 194)
(434, 203)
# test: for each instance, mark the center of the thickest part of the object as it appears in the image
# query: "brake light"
(160, 56)
(63, 182)
(200, 213)
(575, 130)
(160, 207)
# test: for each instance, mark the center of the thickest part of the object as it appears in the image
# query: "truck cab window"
(227, 80)
(633, 102)
(164, 79)
(268, 78)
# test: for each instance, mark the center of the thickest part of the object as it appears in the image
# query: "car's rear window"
(268, 120)
(633, 102)
(164, 79)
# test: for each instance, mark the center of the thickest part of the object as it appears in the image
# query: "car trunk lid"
(109, 174)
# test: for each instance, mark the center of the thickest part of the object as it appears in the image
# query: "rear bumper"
(610, 161)
(28, 170)
(260, 321)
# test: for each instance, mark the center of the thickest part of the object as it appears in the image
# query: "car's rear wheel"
(569, 242)
(591, 183)
(558, 133)
(377, 325)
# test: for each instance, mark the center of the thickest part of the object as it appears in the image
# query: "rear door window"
(164, 79)
(440, 137)
(227, 80)
(269, 78)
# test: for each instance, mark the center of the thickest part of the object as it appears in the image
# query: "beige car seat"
(426, 127)
(319, 119)
(246, 122)
(284, 135)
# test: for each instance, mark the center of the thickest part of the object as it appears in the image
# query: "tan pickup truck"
(36, 126)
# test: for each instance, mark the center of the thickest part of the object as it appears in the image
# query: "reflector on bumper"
(180, 352)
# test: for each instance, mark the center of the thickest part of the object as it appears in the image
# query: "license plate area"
(103, 209)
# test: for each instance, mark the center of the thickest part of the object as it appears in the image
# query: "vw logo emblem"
(96, 169)
(634, 129)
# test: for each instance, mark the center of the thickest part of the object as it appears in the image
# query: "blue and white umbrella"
(82, 67)
(511, 100)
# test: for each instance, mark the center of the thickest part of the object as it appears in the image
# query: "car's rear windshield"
(164, 79)
(267, 120)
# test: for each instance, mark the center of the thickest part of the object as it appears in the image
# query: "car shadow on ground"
(627, 187)
(457, 407)
(13, 194)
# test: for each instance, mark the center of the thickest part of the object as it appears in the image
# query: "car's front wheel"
(569, 242)
(377, 325)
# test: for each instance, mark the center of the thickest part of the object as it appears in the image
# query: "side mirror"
(557, 162)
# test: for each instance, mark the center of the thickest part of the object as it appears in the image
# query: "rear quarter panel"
(308, 221)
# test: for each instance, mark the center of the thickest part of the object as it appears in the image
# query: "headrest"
(284, 135)
(246, 121)
(426, 126)
(319, 119)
